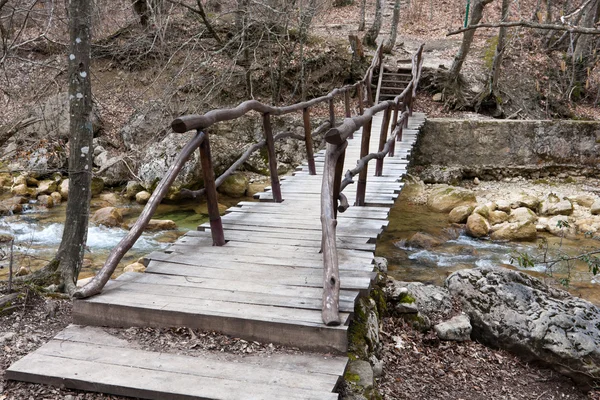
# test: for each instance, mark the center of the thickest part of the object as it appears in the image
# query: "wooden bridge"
(286, 270)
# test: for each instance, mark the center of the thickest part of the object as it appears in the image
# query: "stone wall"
(450, 149)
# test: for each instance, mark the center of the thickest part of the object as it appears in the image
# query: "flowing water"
(38, 231)
(433, 265)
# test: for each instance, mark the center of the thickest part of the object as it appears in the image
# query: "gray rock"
(430, 300)
(595, 208)
(552, 207)
(6, 336)
(522, 214)
(377, 366)
(360, 373)
(457, 329)
(559, 225)
(381, 264)
(515, 311)
(503, 205)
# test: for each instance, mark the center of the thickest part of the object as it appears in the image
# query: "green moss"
(349, 377)
(379, 297)
(406, 298)
(570, 179)
(490, 51)
(541, 182)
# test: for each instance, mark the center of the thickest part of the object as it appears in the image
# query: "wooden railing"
(336, 138)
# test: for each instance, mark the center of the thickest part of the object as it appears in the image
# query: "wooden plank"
(144, 383)
(313, 363)
(350, 231)
(125, 312)
(304, 277)
(228, 285)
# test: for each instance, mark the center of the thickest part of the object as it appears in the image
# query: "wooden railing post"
(361, 106)
(382, 139)
(337, 180)
(361, 186)
(309, 142)
(347, 107)
(331, 113)
(216, 227)
(275, 187)
(393, 128)
(370, 91)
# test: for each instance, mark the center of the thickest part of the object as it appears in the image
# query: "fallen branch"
(534, 25)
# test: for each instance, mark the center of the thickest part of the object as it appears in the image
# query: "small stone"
(381, 264)
(45, 201)
(107, 216)
(63, 189)
(476, 181)
(406, 308)
(421, 240)
(360, 373)
(377, 366)
(135, 267)
(7, 336)
(23, 271)
(22, 190)
(456, 329)
(142, 197)
(595, 208)
(56, 197)
(133, 188)
(438, 97)
(161, 225)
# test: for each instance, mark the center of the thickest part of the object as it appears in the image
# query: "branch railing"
(200, 123)
(332, 198)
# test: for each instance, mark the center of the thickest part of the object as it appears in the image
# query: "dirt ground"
(421, 367)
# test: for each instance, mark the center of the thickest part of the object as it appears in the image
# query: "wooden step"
(91, 359)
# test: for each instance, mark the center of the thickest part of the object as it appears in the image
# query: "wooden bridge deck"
(265, 284)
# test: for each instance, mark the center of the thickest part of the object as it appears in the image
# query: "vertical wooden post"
(409, 102)
(347, 106)
(382, 139)
(275, 188)
(370, 91)
(331, 113)
(393, 128)
(361, 106)
(337, 180)
(216, 227)
(309, 142)
(361, 186)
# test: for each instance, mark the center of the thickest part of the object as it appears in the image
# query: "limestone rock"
(132, 188)
(438, 97)
(63, 189)
(56, 197)
(595, 208)
(503, 205)
(111, 198)
(381, 264)
(107, 216)
(422, 240)
(477, 226)
(522, 214)
(497, 217)
(161, 225)
(22, 190)
(457, 329)
(459, 214)
(482, 210)
(45, 201)
(526, 200)
(360, 373)
(520, 313)
(430, 300)
(551, 206)
(444, 198)
(514, 231)
(20, 180)
(135, 267)
(142, 197)
(47, 187)
(559, 225)
(584, 200)
(236, 185)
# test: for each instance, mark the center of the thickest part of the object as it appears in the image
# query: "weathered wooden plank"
(144, 383)
(228, 285)
(304, 277)
(271, 226)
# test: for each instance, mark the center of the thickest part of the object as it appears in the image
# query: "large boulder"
(520, 313)
(514, 231)
(431, 301)
(236, 185)
(146, 126)
(477, 226)
(422, 240)
(522, 214)
(459, 215)
(552, 205)
(108, 216)
(444, 198)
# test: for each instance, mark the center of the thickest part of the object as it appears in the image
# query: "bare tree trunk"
(495, 72)
(370, 38)
(583, 53)
(389, 45)
(361, 22)
(463, 51)
(72, 247)
(207, 23)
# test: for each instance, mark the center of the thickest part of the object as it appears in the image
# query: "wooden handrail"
(336, 140)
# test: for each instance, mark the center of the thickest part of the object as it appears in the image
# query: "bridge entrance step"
(88, 358)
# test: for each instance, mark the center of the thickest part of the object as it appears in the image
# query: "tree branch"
(534, 25)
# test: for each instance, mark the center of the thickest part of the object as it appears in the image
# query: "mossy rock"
(234, 186)
(97, 186)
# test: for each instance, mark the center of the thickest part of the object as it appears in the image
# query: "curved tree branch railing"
(332, 184)
(200, 123)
